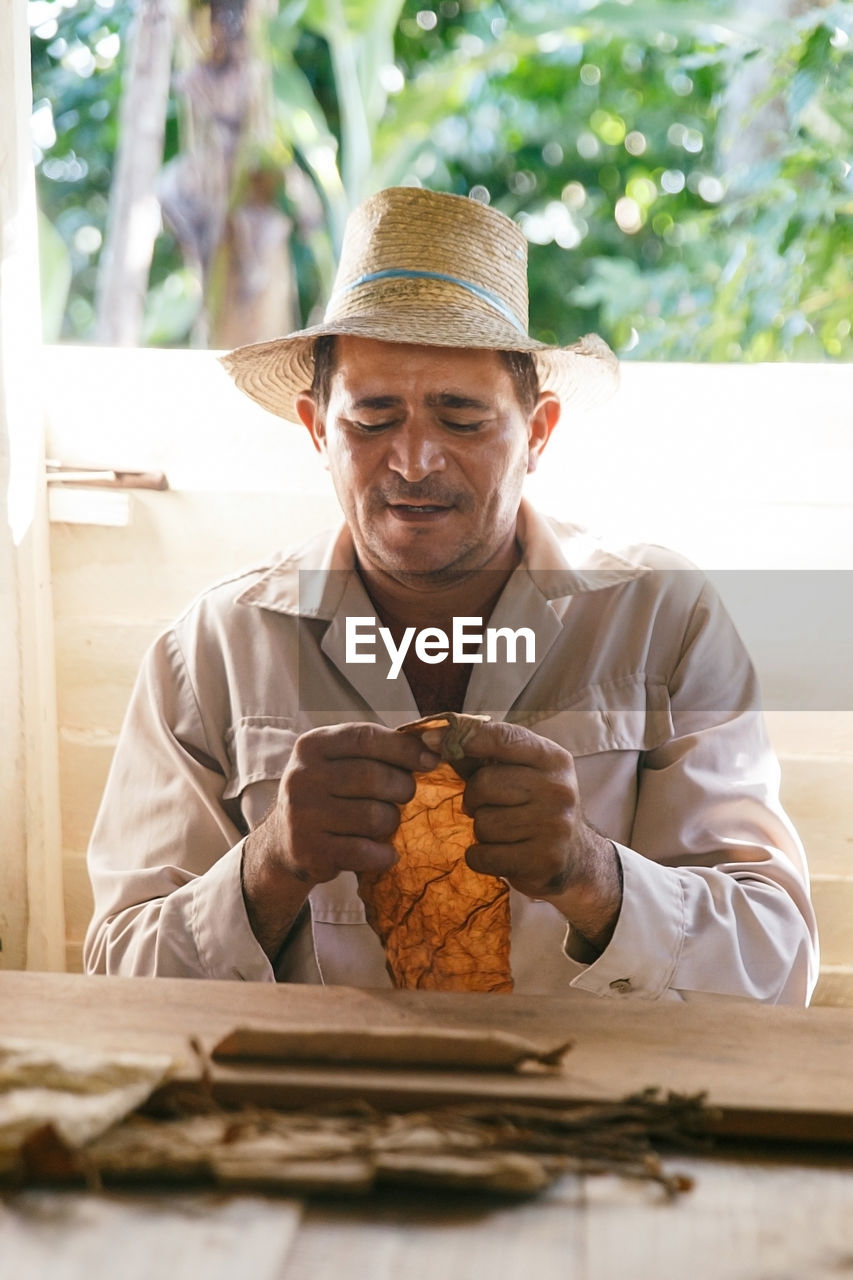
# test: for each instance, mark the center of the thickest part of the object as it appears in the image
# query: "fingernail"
(433, 739)
(429, 759)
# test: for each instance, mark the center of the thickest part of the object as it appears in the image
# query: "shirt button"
(621, 984)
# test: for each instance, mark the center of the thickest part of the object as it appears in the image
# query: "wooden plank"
(771, 1071)
(747, 1220)
(833, 903)
(181, 414)
(223, 434)
(84, 762)
(818, 794)
(750, 1221)
(78, 896)
(77, 1236)
(835, 986)
(218, 533)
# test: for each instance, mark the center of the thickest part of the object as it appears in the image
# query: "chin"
(423, 571)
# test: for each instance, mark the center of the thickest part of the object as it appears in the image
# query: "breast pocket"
(259, 748)
(607, 728)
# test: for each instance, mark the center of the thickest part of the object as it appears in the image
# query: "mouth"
(413, 511)
(419, 506)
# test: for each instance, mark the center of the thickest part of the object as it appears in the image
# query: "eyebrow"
(435, 400)
(452, 400)
(377, 402)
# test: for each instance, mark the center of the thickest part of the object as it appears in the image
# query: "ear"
(306, 407)
(542, 422)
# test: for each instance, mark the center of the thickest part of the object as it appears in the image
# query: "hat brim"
(276, 372)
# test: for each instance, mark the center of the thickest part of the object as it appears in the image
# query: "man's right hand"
(337, 810)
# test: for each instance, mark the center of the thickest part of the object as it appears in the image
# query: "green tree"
(76, 67)
(611, 131)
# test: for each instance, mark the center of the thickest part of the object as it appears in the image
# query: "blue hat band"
(402, 273)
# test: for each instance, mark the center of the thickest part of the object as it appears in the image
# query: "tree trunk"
(219, 196)
(134, 216)
(257, 295)
(753, 120)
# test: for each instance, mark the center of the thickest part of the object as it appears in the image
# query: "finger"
(520, 865)
(370, 819)
(369, 779)
(502, 784)
(509, 744)
(509, 826)
(339, 853)
(504, 860)
(369, 742)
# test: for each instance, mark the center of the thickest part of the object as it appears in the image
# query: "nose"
(415, 452)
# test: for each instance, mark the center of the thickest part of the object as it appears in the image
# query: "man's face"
(428, 448)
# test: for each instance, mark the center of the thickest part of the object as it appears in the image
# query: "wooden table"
(757, 1212)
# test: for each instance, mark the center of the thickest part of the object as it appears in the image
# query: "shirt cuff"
(642, 956)
(226, 946)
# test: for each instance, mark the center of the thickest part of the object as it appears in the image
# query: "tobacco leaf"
(515, 1149)
(345, 1145)
(443, 1048)
(443, 926)
(76, 1092)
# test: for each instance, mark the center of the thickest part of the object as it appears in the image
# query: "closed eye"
(450, 424)
(370, 428)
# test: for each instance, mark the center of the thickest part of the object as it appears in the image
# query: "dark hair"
(525, 377)
(521, 366)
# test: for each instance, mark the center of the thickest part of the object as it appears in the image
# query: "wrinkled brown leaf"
(444, 927)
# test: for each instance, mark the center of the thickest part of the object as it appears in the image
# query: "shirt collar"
(560, 559)
(565, 559)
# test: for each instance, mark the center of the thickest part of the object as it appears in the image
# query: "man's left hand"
(530, 828)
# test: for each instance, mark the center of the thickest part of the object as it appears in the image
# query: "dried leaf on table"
(498, 1147)
(443, 926)
(413, 1046)
(69, 1115)
(72, 1092)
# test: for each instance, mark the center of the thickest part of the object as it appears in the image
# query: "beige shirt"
(638, 672)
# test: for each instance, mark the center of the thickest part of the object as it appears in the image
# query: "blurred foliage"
(608, 130)
(55, 274)
(76, 88)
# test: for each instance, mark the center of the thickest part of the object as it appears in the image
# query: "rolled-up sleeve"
(165, 855)
(716, 899)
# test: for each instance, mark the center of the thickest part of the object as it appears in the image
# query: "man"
(623, 786)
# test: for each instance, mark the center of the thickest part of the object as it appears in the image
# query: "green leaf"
(811, 71)
(340, 19)
(817, 51)
(304, 127)
(298, 112)
(792, 232)
(493, 95)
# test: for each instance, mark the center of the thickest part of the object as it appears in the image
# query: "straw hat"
(435, 270)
